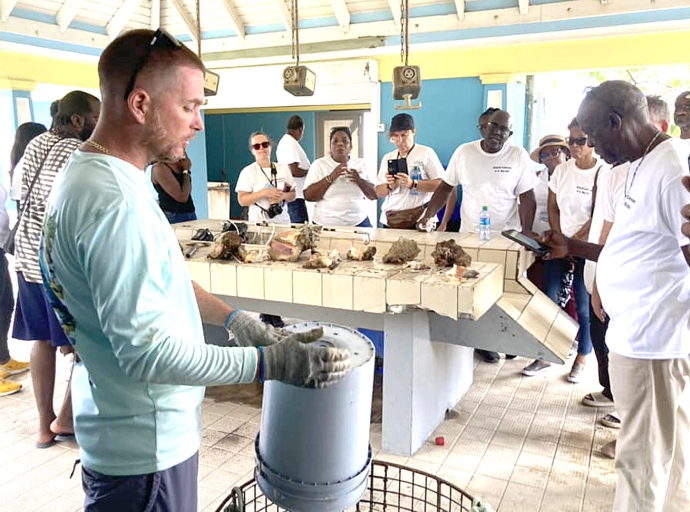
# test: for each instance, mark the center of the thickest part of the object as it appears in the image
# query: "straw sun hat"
(545, 142)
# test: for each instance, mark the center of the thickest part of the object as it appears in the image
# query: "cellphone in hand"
(526, 242)
(399, 165)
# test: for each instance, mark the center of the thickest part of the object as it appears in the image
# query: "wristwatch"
(187, 172)
(414, 184)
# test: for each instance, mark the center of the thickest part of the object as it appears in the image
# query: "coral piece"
(226, 246)
(319, 260)
(253, 256)
(416, 265)
(449, 253)
(365, 255)
(462, 273)
(288, 245)
(402, 251)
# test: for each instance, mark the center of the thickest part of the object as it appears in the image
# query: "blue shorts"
(34, 318)
(171, 490)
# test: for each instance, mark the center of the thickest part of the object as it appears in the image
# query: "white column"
(421, 380)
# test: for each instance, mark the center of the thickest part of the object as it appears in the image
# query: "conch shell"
(365, 255)
(288, 245)
(319, 260)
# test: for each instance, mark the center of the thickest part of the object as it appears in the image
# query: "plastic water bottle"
(415, 174)
(485, 224)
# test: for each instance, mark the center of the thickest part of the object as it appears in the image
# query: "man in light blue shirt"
(118, 282)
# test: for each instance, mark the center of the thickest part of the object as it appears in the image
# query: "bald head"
(615, 118)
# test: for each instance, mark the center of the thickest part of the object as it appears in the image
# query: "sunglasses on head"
(260, 145)
(161, 39)
(580, 141)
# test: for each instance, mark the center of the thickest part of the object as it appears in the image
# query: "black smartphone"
(396, 166)
(526, 242)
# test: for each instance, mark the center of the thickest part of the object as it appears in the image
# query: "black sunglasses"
(161, 39)
(580, 141)
(260, 145)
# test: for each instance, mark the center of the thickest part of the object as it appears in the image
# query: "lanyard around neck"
(274, 174)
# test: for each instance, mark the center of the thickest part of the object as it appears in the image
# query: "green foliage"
(665, 81)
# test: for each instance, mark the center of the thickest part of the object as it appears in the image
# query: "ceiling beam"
(284, 14)
(67, 13)
(155, 14)
(523, 5)
(6, 7)
(549, 12)
(121, 17)
(460, 9)
(235, 20)
(394, 6)
(186, 17)
(342, 14)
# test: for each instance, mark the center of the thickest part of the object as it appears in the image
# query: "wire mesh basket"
(391, 488)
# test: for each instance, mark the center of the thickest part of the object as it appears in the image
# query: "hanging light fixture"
(407, 80)
(298, 80)
(211, 79)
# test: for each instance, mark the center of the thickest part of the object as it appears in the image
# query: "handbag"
(9, 245)
(404, 219)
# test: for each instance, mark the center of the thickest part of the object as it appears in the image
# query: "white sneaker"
(535, 368)
(576, 373)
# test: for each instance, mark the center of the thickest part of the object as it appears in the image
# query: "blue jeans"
(176, 218)
(298, 211)
(364, 224)
(553, 272)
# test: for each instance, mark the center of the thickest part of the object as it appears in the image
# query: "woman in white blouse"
(265, 187)
(339, 186)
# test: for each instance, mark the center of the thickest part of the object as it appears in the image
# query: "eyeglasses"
(580, 141)
(503, 130)
(161, 39)
(550, 153)
(399, 135)
(259, 145)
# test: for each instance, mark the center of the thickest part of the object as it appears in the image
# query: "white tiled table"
(428, 362)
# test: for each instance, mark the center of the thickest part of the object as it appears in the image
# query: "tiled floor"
(523, 444)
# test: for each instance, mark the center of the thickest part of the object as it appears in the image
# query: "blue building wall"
(42, 113)
(227, 142)
(448, 117)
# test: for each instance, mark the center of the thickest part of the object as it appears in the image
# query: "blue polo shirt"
(118, 282)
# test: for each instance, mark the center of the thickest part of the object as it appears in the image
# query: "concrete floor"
(523, 444)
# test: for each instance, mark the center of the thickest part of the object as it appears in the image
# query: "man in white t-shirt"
(640, 275)
(609, 192)
(291, 154)
(405, 191)
(494, 174)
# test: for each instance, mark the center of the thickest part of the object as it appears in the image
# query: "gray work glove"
(296, 362)
(250, 332)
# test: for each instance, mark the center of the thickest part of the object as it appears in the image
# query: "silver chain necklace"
(646, 151)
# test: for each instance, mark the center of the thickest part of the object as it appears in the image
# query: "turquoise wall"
(448, 117)
(227, 142)
(42, 113)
